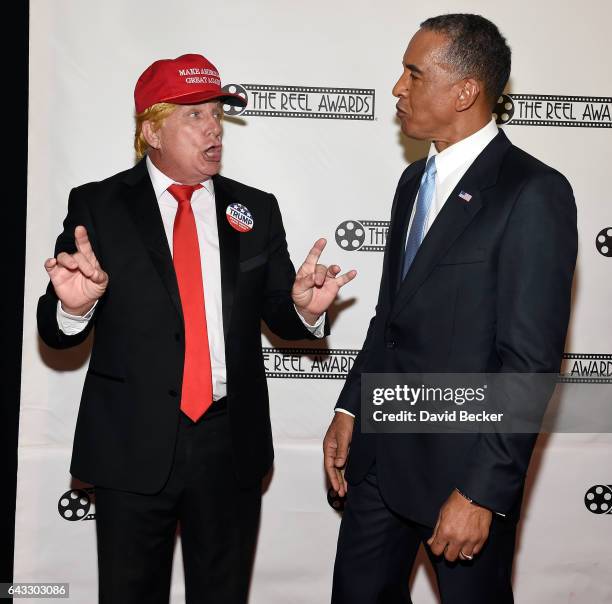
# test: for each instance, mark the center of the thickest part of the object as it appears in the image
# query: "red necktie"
(196, 395)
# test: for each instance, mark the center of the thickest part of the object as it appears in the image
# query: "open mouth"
(213, 153)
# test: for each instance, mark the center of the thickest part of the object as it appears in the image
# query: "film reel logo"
(603, 242)
(362, 235)
(598, 499)
(350, 235)
(553, 110)
(308, 363)
(322, 102)
(75, 504)
(231, 110)
(504, 109)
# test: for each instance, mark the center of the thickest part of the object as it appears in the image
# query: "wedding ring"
(465, 556)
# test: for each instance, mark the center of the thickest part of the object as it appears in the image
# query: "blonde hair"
(156, 114)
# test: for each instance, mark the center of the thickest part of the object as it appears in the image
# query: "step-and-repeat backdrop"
(321, 134)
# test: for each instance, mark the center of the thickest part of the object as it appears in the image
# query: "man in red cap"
(176, 266)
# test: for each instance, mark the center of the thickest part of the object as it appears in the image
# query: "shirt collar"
(464, 151)
(161, 182)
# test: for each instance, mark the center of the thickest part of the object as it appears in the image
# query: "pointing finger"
(83, 244)
(315, 252)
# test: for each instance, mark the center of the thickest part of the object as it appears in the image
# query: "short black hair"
(476, 48)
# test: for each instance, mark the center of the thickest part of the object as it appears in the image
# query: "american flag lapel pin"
(465, 196)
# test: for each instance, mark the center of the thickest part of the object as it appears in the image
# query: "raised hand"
(78, 279)
(316, 285)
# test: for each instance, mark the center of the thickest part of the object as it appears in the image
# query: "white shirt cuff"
(318, 329)
(71, 325)
(341, 410)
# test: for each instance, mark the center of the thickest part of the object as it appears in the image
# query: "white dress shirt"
(203, 204)
(451, 166)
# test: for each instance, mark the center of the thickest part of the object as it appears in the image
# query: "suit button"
(391, 344)
(172, 393)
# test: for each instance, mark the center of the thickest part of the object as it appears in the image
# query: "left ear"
(469, 90)
(151, 134)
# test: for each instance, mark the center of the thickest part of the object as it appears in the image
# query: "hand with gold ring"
(463, 526)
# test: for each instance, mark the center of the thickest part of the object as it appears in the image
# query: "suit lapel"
(404, 202)
(229, 248)
(144, 210)
(453, 219)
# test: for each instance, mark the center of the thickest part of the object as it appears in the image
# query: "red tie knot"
(183, 193)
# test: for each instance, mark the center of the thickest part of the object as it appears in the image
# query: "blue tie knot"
(430, 169)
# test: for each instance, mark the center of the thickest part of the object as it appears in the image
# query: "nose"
(215, 129)
(401, 86)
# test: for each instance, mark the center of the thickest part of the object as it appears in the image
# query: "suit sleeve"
(278, 310)
(536, 266)
(46, 315)
(350, 395)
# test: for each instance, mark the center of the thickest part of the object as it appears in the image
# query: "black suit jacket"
(489, 291)
(129, 412)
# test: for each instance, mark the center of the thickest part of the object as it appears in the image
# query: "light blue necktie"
(423, 203)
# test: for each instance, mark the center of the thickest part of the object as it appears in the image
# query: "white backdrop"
(84, 60)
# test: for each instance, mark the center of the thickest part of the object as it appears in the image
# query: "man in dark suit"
(174, 267)
(476, 278)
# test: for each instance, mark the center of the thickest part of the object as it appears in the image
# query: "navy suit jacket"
(489, 291)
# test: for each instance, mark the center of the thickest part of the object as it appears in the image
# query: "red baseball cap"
(186, 80)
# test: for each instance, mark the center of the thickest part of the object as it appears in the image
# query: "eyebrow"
(413, 68)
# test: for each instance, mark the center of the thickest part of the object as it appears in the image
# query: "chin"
(210, 169)
(408, 131)
(413, 133)
(407, 128)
